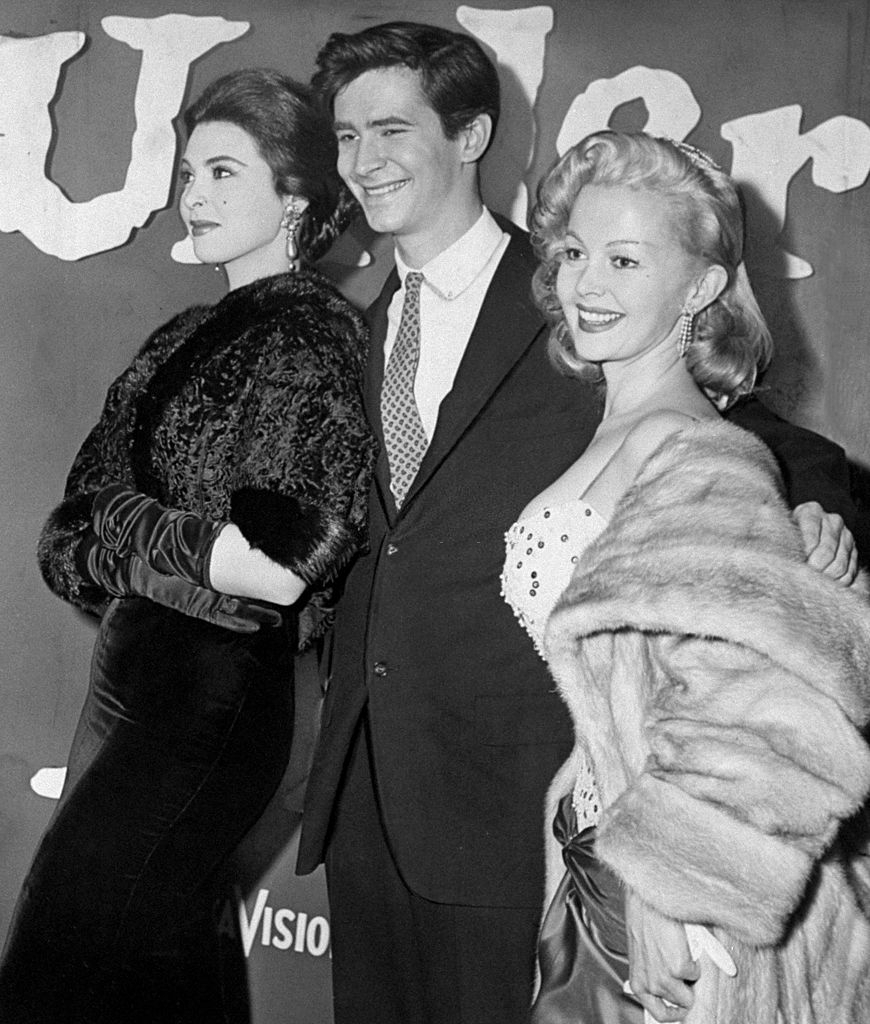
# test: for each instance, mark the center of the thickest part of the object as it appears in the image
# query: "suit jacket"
(466, 730)
(465, 727)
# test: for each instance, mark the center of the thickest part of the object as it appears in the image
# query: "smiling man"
(413, 181)
(441, 730)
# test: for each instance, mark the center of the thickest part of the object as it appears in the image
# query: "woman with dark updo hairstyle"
(206, 520)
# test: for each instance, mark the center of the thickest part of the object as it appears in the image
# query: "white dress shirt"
(455, 283)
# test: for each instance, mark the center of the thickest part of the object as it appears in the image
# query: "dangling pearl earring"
(290, 223)
(687, 327)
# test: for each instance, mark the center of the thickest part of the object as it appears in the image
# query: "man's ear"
(475, 138)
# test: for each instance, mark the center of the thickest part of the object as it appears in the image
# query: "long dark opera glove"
(169, 541)
(130, 576)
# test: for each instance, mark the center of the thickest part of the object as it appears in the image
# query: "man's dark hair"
(456, 76)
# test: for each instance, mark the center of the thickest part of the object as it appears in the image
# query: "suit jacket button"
(380, 669)
(392, 549)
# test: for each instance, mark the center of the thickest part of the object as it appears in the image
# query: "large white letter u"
(29, 73)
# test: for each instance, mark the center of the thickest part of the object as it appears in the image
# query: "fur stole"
(720, 686)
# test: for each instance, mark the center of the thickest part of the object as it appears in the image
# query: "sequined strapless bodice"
(541, 552)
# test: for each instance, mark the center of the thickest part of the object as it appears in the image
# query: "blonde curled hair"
(731, 341)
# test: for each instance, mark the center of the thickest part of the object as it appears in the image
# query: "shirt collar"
(454, 269)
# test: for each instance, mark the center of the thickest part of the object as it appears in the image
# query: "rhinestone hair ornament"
(696, 156)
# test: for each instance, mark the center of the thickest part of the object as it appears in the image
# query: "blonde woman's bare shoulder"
(651, 430)
(644, 437)
(640, 441)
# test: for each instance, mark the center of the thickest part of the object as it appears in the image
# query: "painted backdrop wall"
(92, 258)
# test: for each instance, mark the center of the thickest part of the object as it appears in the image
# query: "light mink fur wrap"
(719, 685)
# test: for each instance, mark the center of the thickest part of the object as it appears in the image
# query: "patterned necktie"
(404, 434)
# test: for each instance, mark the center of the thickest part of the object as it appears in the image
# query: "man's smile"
(377, 191)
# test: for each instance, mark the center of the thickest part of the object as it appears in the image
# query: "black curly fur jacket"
(247, 410)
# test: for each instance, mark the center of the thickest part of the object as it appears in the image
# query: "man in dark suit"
(440, 728)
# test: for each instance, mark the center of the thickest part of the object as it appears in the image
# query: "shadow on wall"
(795, 364)
(505, 170)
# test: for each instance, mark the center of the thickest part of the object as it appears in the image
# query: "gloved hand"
(171, 542)
(130, 576)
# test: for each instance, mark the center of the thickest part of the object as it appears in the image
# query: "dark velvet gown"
(183, 739)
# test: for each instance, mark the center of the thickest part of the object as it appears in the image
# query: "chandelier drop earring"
(290, 224)
(687, 327)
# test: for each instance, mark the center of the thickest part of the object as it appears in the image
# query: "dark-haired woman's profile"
(205, 518)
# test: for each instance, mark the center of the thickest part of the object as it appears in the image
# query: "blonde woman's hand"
(661, 968)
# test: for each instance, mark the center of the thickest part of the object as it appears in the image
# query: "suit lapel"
(506, 327)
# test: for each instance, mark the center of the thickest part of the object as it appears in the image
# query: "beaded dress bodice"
(541, 551)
